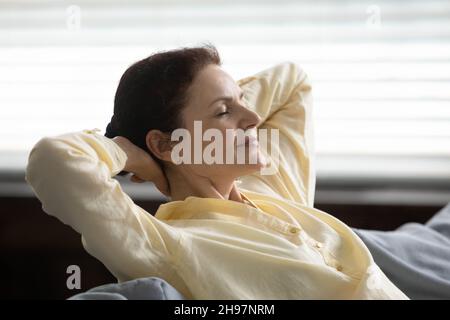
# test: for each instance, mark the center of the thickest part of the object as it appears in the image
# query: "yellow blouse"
(276, 246)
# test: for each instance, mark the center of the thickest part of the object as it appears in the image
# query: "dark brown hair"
(153, 91)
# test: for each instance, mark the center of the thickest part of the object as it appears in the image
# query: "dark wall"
(36, 249)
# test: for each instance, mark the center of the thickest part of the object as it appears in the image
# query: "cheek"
(217, 130)
(204, 147)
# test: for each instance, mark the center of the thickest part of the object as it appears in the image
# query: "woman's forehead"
(213, 81)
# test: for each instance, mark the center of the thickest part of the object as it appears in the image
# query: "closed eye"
(223, 113)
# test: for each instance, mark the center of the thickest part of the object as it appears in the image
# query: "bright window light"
(380, 71)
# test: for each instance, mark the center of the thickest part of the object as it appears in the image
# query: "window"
(380, 71)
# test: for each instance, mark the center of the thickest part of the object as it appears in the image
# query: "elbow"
(39, 161)
(296, 71)
(295, 78)
(292, 74)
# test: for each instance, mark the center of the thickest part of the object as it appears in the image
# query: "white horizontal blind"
(380, 71)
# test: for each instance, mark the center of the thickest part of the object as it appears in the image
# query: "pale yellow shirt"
(207, 248)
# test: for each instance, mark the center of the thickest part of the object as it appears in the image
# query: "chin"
(235, 171)
(246, 169)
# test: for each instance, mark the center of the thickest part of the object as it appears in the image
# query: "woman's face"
(215, 101)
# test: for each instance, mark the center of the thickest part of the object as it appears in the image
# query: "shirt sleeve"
(71, 174)
(281, 95)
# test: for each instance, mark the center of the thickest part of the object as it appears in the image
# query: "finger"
(136, 179)
(162, 186)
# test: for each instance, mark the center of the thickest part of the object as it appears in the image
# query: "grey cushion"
(151, 288)
(415, 256)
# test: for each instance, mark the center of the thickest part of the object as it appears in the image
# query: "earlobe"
(165, 149)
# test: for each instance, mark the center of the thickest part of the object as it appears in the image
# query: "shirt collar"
(189, 207)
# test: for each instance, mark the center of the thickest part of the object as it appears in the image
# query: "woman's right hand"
(142, 165)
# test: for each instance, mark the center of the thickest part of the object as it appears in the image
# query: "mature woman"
(217, 238)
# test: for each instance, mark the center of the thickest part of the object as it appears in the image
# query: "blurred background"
(381, 84)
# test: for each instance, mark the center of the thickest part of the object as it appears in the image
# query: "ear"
(159, 144)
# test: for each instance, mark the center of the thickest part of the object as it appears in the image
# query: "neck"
(183, 185)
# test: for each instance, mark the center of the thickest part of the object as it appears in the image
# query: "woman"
(215, 239)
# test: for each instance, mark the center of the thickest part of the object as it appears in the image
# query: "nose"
(250, 119)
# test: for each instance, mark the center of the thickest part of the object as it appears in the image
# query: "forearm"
(123, 143)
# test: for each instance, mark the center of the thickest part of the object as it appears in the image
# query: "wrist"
(123, 144)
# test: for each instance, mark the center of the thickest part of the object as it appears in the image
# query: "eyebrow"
(226, 98)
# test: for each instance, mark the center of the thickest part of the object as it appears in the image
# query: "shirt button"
(294, 230)
(318, 245)
(339, 267)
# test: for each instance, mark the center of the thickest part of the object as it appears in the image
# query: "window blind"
(380, 71)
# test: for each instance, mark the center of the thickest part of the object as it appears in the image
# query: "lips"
(248, 141)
